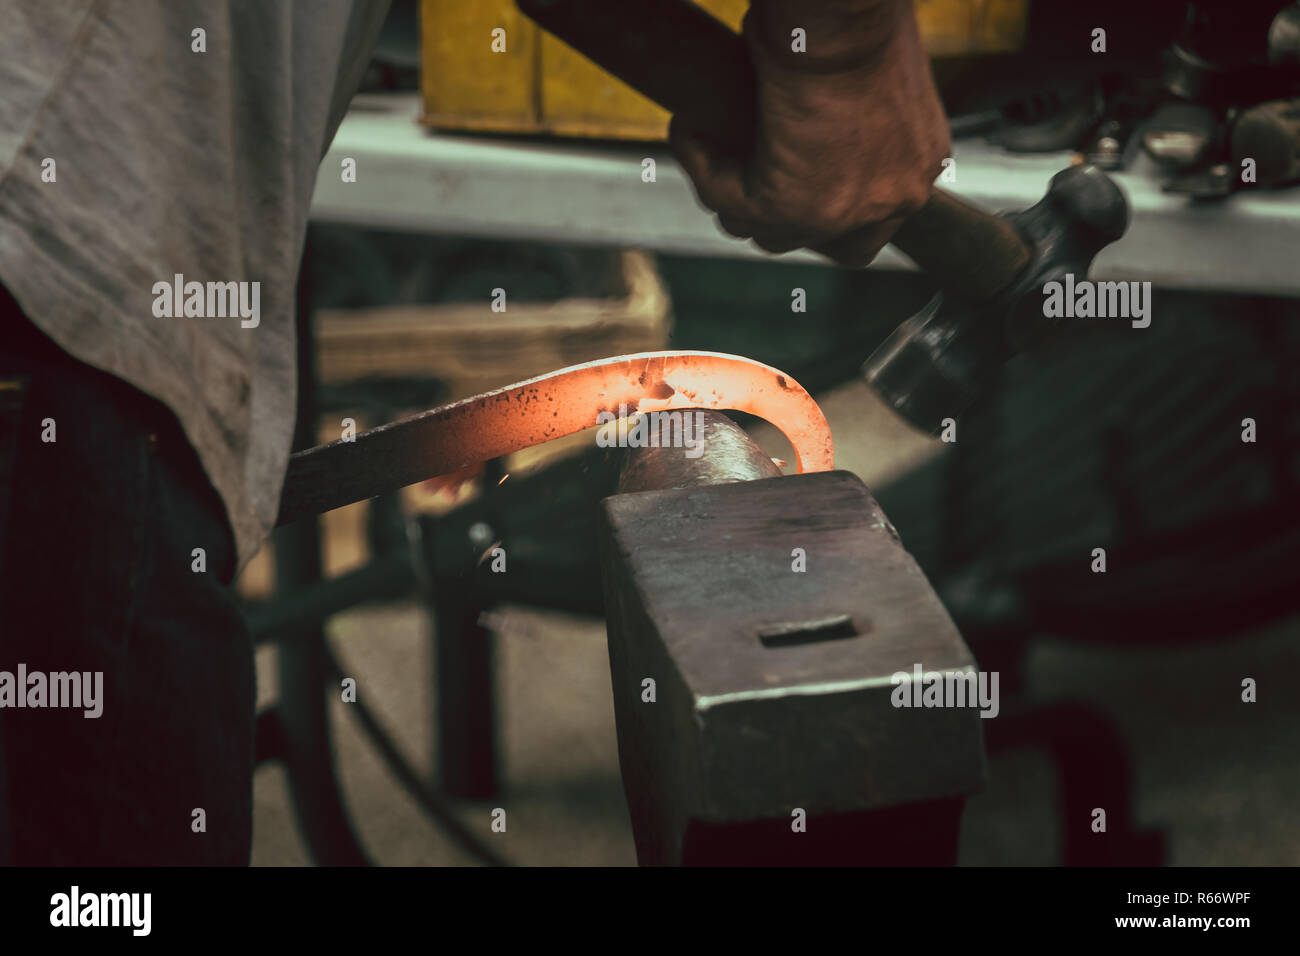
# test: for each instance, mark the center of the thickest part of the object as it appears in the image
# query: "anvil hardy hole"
(790, 633)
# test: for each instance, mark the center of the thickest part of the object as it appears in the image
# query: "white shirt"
(128, 157)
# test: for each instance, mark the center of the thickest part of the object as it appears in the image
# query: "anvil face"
(773, 616)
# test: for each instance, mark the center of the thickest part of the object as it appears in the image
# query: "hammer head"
(939, 361)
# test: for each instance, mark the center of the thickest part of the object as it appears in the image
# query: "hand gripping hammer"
(991, 268)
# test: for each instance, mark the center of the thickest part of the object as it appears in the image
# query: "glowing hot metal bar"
(541, 409)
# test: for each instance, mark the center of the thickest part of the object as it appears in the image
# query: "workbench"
(569, 191)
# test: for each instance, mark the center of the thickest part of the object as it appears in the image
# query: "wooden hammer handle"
(696, 67)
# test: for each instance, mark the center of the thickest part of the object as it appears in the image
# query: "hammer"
(940, 360)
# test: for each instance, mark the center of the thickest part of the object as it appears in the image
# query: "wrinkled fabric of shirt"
(167, 161)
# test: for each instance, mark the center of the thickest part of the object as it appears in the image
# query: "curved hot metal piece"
(551, 406)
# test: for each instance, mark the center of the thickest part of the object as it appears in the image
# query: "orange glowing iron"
(451, 437)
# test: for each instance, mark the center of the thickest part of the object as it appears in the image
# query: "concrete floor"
(563, 798)
(1218, 776)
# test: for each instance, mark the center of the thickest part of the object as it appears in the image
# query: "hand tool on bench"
(991, 268)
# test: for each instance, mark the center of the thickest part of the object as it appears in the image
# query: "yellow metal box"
(537, 84)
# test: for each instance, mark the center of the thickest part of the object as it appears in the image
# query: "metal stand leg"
(466, 705)
(304, 667)
(463, 661)
(1094, 772)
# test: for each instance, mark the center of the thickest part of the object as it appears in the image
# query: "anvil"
(772, 616)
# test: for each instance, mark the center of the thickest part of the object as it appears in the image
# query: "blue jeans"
(96, 576)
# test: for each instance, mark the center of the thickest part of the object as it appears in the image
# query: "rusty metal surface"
(773, 685)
